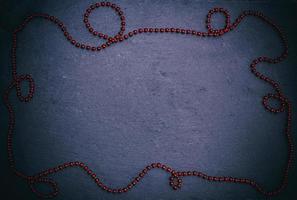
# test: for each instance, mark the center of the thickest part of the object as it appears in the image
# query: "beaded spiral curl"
(175, 180)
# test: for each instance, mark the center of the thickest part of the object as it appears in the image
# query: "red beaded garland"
(175, 180)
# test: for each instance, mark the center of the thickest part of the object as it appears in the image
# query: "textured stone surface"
(191, 103)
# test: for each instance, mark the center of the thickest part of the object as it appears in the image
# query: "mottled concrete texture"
(191, 103)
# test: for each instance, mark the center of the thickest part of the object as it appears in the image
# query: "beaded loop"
(47, 181)
(106, 5)
(227, 21)
(175, 182)
(18, 82)
(281, 99)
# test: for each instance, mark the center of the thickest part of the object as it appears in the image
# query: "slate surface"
(191, 103)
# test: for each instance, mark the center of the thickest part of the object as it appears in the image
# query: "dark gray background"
(191, 103)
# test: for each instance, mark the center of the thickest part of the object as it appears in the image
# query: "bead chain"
(175, 179)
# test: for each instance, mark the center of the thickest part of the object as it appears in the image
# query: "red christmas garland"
(176, 176)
